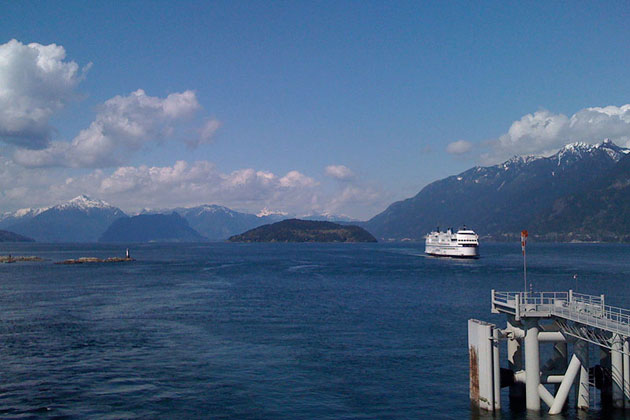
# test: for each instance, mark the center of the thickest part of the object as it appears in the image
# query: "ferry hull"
(452, 251)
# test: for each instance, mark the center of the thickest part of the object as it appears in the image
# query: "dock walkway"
(585, 309)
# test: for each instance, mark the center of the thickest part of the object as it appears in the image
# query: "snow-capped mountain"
(265, 212)
(599, 212)
(206, 209)
(13, 217)
(328, 217)
(218, 223)
(85, 203)
(499, 199)
(81, 219)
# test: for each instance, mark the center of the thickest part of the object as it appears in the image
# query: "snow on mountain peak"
(21, 213)
(84, 202)
(579, 149)
(266, 212)
(578, 145)
(587, 147)
(512, 160)
(212, 208)
(516, 160)
(328, 216)
(29, 212)
(571, 152)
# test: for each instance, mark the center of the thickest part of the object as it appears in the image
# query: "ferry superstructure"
(463, 244)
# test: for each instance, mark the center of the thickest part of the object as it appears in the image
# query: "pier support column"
(616, 363)
(560, 357)
(532, 366)
(485, 378)
(583, 389)
(561, 397)
(515, 363)
(606, 391)
(496, 369)
(626, 372)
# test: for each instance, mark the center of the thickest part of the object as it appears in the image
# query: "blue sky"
(339, 107)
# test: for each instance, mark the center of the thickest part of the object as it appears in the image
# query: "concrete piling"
(583, 388)
(532, 366)
(571, 323)
(616, 363)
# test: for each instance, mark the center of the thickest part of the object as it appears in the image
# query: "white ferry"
(463, 244)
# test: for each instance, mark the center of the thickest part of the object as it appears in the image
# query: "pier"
(563, 321)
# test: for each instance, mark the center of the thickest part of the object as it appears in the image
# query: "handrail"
(588, 309)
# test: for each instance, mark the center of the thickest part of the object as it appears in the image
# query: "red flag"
(523, 239)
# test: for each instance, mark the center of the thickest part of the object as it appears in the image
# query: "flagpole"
(523, 243)
(525, 269)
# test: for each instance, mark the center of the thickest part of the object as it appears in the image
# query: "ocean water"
(278, 331)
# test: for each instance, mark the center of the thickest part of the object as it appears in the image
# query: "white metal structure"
(463, 244)
(568, 306)
(561, 318)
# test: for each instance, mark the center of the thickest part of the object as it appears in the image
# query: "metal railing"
(586, 309)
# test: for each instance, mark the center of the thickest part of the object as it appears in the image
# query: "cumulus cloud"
(598, 123)
(181, 184)
(543, 131)
(20, 187)
(459, 147)
(353, 197)
(187, 184)
(206, 133)
(35, 82)
(295, 179)
(123, 124)
(198, 183)
(339, 172)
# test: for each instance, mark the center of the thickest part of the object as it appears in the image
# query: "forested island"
(6, 236)
(296, 230)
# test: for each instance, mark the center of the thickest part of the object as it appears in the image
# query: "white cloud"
(35, 82)
(20, 187)
(353, 197)
(339, 172)
(598, 123)
(459, 147)
(206, 133)
(295, 179)
(544, 132)
(123, 124)
(200, 182)
(187, 184)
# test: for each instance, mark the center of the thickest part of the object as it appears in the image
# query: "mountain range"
(151, 228)
(600, 212)
(501, 200)
(218, 223)
(81, 219)
(582, 192)
(84, 219)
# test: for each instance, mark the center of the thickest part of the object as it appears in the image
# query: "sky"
(322, 107)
